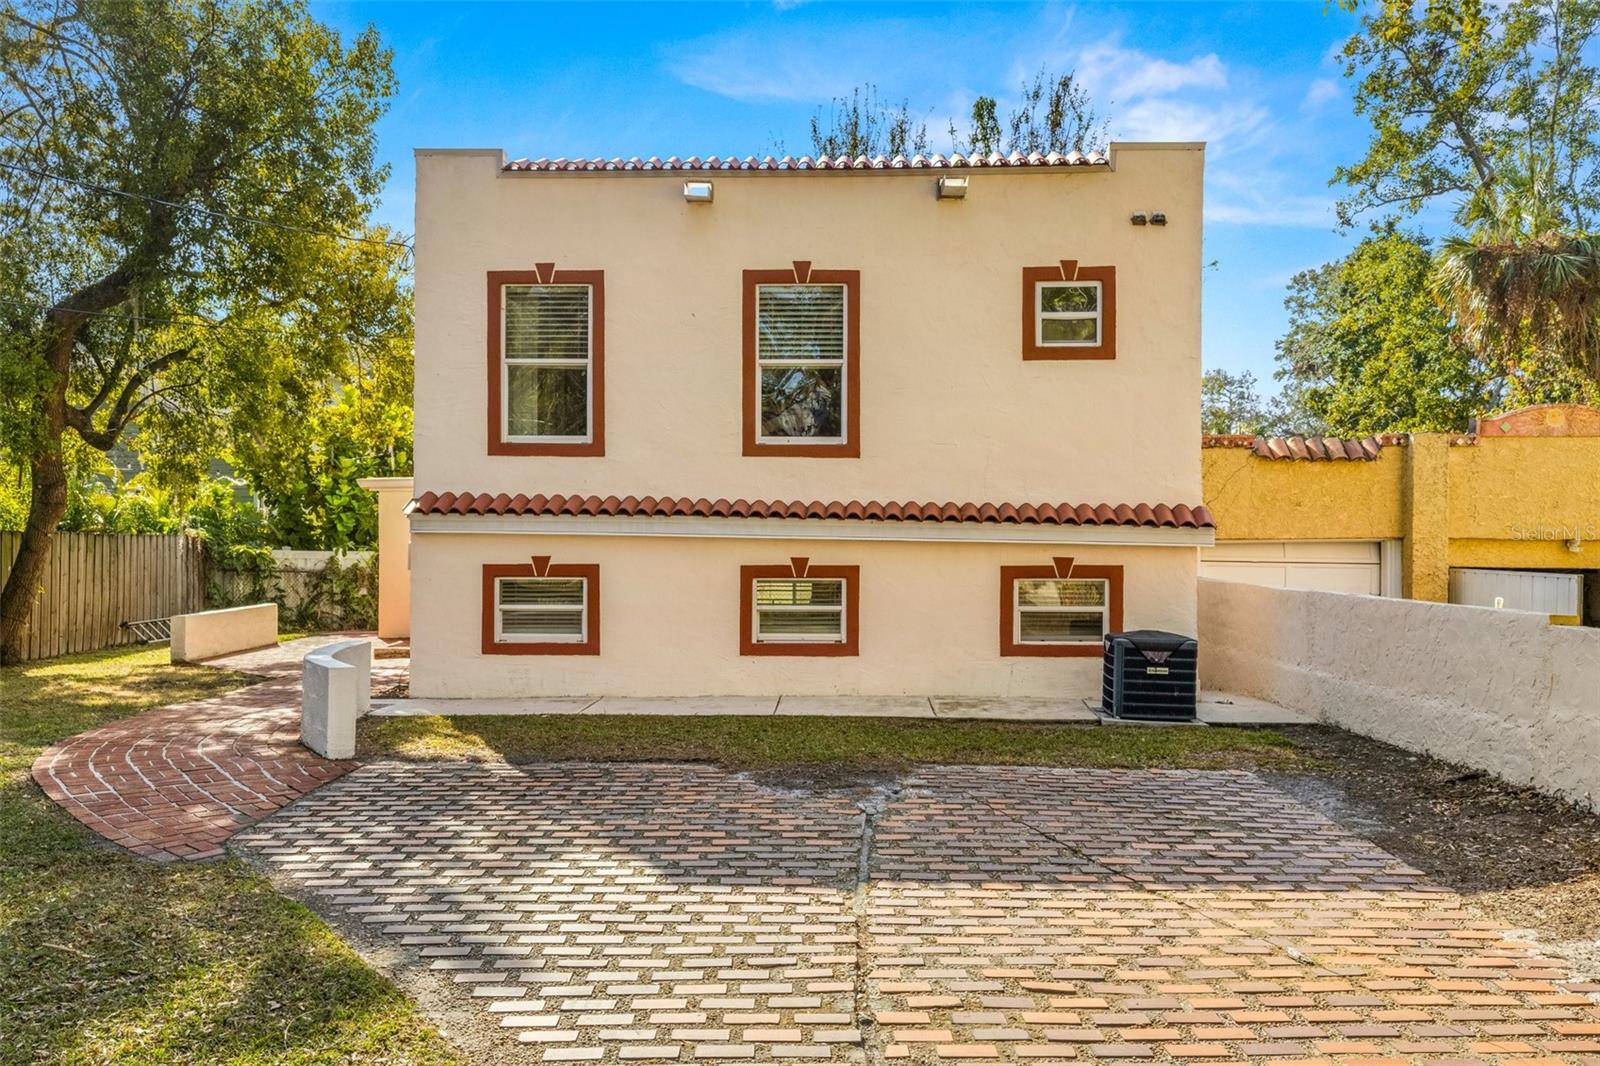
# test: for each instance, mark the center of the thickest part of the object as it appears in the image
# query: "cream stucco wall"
(208, 634)
(670, 618)
(1501, 690)
(394, 554)
(949, 410)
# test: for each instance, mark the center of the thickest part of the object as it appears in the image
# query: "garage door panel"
(1324, 566)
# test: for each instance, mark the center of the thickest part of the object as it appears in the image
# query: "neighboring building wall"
(670, 618)
(949, 410)
(1519, 497)
(1500, 690)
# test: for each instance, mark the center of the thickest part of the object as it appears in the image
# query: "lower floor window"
(1060, 611)
(542, 609)
(796, 610)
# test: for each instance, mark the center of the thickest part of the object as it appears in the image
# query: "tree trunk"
(45, 510)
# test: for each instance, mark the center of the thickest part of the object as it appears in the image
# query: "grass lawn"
(108, 958)
(744, 743)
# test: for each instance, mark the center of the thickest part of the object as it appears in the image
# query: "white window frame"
(779, 364)
(586, 364)
(581, 609)
(1040, 315)
(1018, 607)
(756, 610)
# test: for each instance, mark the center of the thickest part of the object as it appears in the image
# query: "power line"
(178, 206)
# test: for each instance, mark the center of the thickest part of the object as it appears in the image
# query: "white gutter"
(734, 528)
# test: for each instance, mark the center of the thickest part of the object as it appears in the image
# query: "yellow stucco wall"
(1504, 502)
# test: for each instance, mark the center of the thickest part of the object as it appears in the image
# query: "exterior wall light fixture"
(1158, 219)
(697, 192)
(953, 187)
(1139, 219)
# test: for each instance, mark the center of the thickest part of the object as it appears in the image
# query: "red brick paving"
(178, 781)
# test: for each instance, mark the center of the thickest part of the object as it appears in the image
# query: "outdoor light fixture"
(1139, 219)
(697, 192)
(953, 188)
(1158, 219)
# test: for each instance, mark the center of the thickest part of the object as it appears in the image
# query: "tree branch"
(127, 404)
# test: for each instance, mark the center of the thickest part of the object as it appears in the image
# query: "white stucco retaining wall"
(1503, 691)
(207, 634)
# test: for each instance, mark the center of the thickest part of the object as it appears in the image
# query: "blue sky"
(1261, 83)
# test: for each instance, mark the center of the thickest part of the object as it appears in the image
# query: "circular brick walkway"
(176, 782)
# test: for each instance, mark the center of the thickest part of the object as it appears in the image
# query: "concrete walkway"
(1214, 708)
(622, 913)
(176, 782)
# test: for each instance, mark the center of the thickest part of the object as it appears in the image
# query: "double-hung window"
(800, 609)
(800, 354)
(541, 610)
(1069, 314)
(1060, 610)
(801, 340)
(791, 610)
(546, 331)
(546, 373)
(548, 610)
(1069, 311)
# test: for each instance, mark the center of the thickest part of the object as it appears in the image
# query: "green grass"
(108, 958)
(755, 743)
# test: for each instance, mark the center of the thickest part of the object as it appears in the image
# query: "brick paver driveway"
(620, 913)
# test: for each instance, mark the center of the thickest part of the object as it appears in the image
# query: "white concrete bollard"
(336, 689)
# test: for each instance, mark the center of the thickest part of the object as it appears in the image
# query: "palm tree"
(1522, 282)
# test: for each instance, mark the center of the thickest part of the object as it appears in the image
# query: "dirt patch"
(1522, 857)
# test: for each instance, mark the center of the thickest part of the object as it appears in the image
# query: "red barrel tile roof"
(1311, 449)
(1176, 516)
(807, 164)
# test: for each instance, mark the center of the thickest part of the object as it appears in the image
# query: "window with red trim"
(1059, 610)
(546, 362)
(1069, 311)
(541, 609)
(802, 362)
(799, 609)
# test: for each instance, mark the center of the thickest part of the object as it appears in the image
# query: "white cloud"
(1321, 92)
(1227, 128)
(1123, 74)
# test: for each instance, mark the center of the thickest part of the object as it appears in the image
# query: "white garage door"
(1322, 565)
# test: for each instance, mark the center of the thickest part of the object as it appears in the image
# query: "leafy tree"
(1458, 91)
(1230, 403)
(1368, 350)
(183, 183)
(864, 125)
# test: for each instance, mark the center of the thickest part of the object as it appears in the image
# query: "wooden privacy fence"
(96, 581)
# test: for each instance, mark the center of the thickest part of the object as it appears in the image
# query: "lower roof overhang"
(848, 529)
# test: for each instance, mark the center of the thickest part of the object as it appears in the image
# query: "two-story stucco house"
(750, 427)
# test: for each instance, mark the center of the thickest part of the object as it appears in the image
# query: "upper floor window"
(546, 362)
(802, 330)
(1069, 312)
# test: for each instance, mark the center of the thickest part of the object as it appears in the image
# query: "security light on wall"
(953, 188)
(697, 192)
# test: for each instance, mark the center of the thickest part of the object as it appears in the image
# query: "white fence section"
(336, 690)
(1503, 691)
(208, 634)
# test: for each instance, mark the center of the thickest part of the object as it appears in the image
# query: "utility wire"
(178, 206)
